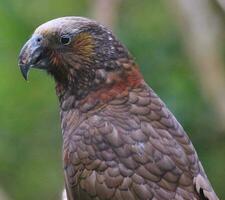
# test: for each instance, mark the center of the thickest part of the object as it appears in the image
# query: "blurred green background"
(30, 136)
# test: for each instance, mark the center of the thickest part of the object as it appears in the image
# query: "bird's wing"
(135, 149)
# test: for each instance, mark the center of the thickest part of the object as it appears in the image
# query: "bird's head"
(79, 53)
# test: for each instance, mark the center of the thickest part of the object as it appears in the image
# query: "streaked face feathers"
(84, 45)
(79, 53)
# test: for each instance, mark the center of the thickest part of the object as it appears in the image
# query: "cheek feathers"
(55, 58)
(84, 45)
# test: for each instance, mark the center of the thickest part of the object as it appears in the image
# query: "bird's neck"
(104, 87)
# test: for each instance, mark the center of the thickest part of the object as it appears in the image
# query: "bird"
(120, 141)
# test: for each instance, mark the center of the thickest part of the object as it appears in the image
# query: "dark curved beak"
(32, 55)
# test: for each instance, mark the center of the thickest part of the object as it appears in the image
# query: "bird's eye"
(65, 39)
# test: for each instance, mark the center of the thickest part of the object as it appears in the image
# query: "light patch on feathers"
(110, 38)
(57, 25)
(139, 147)
(49, 28)
(202, 183)
(64, 196)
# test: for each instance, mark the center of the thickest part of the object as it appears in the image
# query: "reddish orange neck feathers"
(119, 87)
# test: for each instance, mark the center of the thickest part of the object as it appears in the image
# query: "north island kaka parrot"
(120, 141)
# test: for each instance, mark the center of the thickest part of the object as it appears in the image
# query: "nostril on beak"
(38, 39)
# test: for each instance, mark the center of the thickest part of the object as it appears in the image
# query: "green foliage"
(30, 137)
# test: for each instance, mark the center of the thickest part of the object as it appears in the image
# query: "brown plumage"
(119, 139)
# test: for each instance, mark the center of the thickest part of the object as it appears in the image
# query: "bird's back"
(131, 148)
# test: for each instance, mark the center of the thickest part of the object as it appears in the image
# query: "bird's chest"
(82, 141)
(83, 145)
